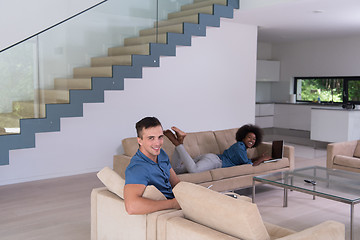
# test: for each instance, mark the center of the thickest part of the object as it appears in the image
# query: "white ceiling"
(299, 20)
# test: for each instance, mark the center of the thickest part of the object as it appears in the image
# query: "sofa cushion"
(357, 150)
(323, 231)
(178, 228)
(200, 143)
(130, 146)
(271, 166)
(230, 172)
(200, 177)
(225, 138)
(347, 161)
(237, 218)
(115, 184)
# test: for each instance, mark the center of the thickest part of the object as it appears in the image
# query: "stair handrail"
(56, 24)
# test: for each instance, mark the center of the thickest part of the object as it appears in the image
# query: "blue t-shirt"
(235, 155)
(142, 170)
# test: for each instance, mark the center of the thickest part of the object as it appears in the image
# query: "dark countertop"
(305, 103)
(320, 106)
(335, 109)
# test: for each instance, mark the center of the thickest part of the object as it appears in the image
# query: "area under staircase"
(108, 73)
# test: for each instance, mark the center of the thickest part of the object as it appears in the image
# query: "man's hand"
(175, 204)
(136, 204)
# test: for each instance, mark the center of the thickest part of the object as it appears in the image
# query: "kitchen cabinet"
(293, 116)
(264, 115)
(267, 71)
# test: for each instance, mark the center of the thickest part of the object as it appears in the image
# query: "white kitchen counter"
(335, 124)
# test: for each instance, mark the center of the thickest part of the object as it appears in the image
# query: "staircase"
(107, 73)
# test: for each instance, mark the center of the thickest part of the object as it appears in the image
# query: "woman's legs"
(177, 163)
(201, 163)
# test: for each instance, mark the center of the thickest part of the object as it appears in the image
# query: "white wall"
(20, 19)
(208, 86)
(329, 57)
(264, 51)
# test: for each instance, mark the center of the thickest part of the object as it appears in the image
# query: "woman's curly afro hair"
(249, 128)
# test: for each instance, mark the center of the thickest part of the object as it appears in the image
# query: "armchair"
(344, 155)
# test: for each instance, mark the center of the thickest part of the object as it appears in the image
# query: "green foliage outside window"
(354, 91)
(327, 89)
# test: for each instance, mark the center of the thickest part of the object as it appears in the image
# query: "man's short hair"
(146, 122)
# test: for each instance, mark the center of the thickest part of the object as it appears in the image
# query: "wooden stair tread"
(160, 38)
(111, 60)
(72, 83)
(85, 72)
(206, 10)
(198, 4)
(141, 49)
(175, 28)
(189, 19)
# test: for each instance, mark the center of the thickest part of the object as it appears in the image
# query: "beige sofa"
(222, 179)
(205, 214)
(344, 155)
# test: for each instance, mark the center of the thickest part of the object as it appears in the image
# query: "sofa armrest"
(179, 228)
(289, 152)
(109, 220)
(120, 163)
(329, 230)
(93, 211)
(341, 148)
(276, 231)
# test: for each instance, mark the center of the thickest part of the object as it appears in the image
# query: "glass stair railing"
(75, 61)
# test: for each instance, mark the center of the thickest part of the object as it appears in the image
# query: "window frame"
(345, 91)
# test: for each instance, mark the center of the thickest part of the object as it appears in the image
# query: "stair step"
(197, 1)
(143, 49)
(9, 121)
(203, 3)
(176, 28)
(86, 72)
(160, 38)
(52, 96)
(112, 60)
(206, 10)
(28, 109)
(72, 83)
(189, 19)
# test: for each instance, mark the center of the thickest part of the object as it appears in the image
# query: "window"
(327, 89)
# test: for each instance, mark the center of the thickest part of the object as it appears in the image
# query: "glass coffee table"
(338, 185)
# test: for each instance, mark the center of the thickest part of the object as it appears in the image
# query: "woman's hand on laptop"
(262, 158)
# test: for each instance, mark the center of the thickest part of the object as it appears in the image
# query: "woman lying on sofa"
(248, 136)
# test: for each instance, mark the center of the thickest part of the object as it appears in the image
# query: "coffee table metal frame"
(284, 180)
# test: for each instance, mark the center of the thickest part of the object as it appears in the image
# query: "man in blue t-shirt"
(149, 166)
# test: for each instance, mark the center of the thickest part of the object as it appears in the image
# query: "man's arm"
(173, 178)
(136, 204)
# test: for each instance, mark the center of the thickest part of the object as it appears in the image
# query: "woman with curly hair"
(248, 136)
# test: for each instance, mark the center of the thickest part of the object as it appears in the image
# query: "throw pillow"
(357, 150)
(234, 217)
(112, 181)
(115, 184)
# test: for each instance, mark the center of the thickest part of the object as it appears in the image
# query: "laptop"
(276, 151)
